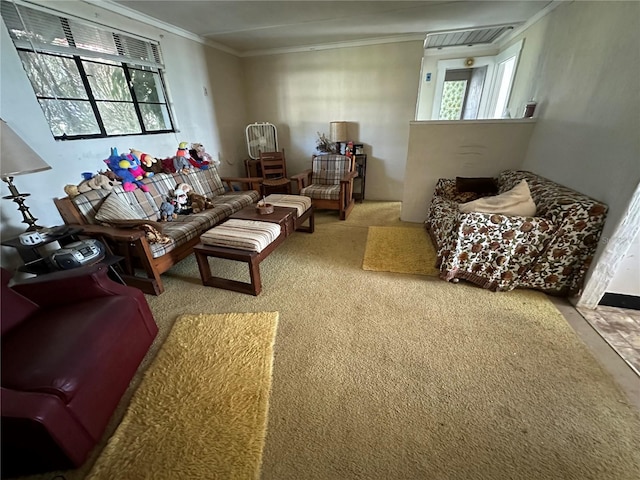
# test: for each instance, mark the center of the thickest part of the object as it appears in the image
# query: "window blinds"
(34, 29)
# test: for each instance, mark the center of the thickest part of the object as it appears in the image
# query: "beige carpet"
(400, 250)
(381, 376)
(201, 409)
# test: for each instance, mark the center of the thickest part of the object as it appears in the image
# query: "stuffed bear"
(102, 182)
(71, 190)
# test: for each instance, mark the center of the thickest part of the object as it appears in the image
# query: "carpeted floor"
(400, 250)
(201, 409)
(391, 376)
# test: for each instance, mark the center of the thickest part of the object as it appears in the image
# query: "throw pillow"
(116, 208)
(516, 201)
(482, 185)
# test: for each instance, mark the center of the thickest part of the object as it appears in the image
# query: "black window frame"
(120, 57)
(127, 68)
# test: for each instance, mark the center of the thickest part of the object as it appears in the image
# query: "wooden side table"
(36, 263)
(32, 253)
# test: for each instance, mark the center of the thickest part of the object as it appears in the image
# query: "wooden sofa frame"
(132, 245)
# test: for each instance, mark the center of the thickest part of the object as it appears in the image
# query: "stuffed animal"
(71, 190)
(180, 202)
(149, 164)
(197, 202)
(97, 182)
(102, 182)
(153, 235)
(132, 163)
(201, 159)
(167, 165)
(167, 212)
(181, 160)
(129, 182)
(110, 175)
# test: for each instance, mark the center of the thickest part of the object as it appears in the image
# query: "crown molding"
(550, 7)
(148, 20)
(154, 22)
(331, 46)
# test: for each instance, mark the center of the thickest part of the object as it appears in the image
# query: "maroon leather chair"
(71, 342)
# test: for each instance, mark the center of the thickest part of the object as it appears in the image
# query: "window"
(90, 82)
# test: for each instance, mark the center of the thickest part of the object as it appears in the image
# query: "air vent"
(475, 36)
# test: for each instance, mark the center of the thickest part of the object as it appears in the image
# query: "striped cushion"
(329, 169)
(115, 207)
(242, 234)
(299, 202)
(322, 192)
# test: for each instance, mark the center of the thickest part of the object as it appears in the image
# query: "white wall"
(626, 279)
(526, 78)
(470, 148)
(216, 120)
(587, 135)
(372, 87)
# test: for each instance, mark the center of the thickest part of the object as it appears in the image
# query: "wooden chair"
(329, 183)
(273, 168)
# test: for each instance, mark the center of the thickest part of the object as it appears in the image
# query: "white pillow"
(116, 208)
(516, 201)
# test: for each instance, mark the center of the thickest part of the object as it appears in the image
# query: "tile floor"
(620, 328)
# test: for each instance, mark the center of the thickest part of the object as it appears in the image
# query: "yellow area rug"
(201, 409)
(400, 250)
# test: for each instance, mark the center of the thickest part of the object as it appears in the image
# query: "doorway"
(461, 93)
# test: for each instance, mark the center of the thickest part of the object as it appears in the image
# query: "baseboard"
(620, 301)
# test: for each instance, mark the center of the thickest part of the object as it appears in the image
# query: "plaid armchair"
(329, 183)
(550, 251)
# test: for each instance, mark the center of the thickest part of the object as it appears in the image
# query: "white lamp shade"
(16, 157)
(338, 131)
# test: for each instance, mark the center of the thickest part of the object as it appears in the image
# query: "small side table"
(32, 253)
(35, 262)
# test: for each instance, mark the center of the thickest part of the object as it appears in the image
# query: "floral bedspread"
(550, 252)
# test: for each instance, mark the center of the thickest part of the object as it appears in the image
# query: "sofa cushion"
(516, 201)
(240, 234)
(482, 185)
(115, 207)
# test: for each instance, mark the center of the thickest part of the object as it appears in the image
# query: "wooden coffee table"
(286, 217)
(292, 224)
(283, 216)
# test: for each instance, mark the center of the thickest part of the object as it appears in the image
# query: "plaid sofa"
(550, 252)
(179, 235)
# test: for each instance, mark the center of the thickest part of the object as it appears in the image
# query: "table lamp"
(338, 132)
(18, 158)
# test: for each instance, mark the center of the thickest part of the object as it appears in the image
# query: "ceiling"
(251, 27)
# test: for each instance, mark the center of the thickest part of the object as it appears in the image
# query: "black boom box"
(77, 254)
